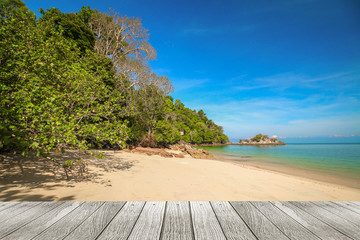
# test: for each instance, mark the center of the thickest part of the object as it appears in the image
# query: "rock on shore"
(183, 147)
(155, 151)
(267, 142)
(192, 151)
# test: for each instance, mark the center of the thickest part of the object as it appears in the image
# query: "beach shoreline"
(139, 177)
(293, 171)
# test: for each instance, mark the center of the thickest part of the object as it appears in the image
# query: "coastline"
(240, 144)
(289, 170)
(139, 177)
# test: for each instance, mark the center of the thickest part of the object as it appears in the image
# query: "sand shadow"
(111, 162)
(9, 194)
(43, 173)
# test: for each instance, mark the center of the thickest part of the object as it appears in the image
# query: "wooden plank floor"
(180, 220)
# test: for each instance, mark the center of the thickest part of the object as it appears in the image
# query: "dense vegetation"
(82, 80)
(259, 137)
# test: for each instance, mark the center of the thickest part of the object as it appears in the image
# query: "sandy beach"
(125, 176)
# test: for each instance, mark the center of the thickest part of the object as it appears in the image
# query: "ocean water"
(335, 162)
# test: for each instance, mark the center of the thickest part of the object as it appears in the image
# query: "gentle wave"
(333, 162)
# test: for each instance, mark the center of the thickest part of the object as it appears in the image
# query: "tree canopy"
(82, 80)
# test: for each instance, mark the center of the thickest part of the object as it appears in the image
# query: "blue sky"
(288, 68)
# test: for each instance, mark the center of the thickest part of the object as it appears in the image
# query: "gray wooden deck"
(179, 220)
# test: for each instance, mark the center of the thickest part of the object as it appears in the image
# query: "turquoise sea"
(332, 162)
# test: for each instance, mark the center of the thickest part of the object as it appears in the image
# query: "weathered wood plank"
(121, 225)
(68, 223)
(284, 222)
(177, 222)
(95, 224)
(349, 205)
(319, 228)
(38, 225)
(257, 222)
(233, 226)
(205, 223)
(15, 210)
(148, 225)
(6, 205)
(202, 220)
(342, 225)
(352, 203)
(357, 203)
(341, 212)
(16, 222)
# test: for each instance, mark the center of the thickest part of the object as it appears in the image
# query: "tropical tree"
(82, 80)
(53, 94)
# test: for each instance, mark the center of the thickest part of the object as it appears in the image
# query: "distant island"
(261, 140)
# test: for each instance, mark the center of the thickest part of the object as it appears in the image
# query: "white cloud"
(283, 81)
(338, 135)
(187, 83)
(285, 117)
(324, 110)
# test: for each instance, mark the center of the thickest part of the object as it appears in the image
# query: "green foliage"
(71, 25)
(58, 92)
(261, 137)
(14, 9)
(257, 138)
(166, 132)
(53, 93)
(181, 123)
